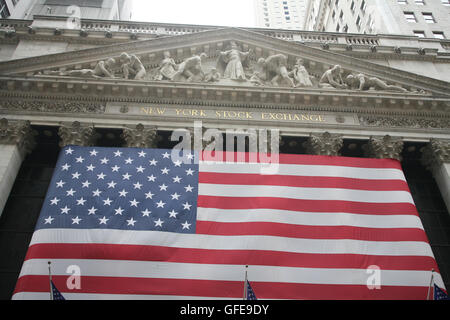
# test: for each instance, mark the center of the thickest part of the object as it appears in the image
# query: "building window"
(428, 16)
(446, 2)
(358, 22)
(337, 27)
(4, 12)
(352, 7)
(420, 2)
(402, 2)
(341, 15)
(345, 29)
(420, 34)
(409, 16)
(438, 34)
(333, 14)
(363, 6)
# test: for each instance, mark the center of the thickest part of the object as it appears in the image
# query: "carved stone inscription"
(205, 113)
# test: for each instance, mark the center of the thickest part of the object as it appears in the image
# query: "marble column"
(16, 141)
(76, 134)
(324, 144)
(386, 147)
(140, 136)
(436, 157)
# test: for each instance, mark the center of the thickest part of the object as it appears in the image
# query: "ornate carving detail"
(435, 153)
(386, 147)
(140, 136)
(325, 144)
(18, 133)
(380, 121)
(190, 69)
(231, 62)
(53, 106)
(76, 134)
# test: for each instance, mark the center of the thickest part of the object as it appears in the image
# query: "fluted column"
(324, 144)
(16, 141)
(76, 134)
(140, 136)
(386, 147)
(436, 158)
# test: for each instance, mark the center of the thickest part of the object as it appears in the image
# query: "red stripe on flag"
(216, 288)
(304, 160)
(302, 181)
(310, 232)
(305, 205)
(234, 257)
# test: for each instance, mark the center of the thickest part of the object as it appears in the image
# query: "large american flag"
(140, 225)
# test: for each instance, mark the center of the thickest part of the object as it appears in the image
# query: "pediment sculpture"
(237, 67)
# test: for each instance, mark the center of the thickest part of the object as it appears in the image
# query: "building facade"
(422, 18)
(74, 92)
(279, 14)
(93, 9)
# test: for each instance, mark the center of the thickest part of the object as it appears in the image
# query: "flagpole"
(431, 283)
(50, 280)
(245, 284)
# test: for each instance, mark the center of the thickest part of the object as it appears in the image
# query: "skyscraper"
(422, 18)
(287, 14)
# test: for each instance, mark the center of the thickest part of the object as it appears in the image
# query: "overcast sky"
(233, 13)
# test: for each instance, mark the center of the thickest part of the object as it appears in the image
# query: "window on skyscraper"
(428, 16)
(409, 16)
(420, 34)
(4, 12)
(438, 34)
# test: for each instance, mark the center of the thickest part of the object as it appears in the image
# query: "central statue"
(230, 62)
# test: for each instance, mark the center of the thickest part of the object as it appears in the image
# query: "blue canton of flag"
(124, 188)
(250, 293)
(439, 294)
(55, 293)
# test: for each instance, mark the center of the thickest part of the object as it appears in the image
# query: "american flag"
(141, 225)
(250, 294)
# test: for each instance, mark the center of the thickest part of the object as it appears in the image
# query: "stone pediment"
(228, 57)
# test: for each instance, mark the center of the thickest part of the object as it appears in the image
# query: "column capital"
(18, 133)
(324, 144)
(386, 147)
(435, 153)
(76, 133)
(141, 136)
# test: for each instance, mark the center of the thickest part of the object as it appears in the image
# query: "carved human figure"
(332, 78)
(190, 69)
(233, 60)
(363, 82)
(102, 69)
(212, 76)
(131, 65)
(168, 67)
(275, 70)
(301, 75)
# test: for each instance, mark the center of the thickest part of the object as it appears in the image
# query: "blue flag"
(55, 293)
(439, 294)
(250, 293)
